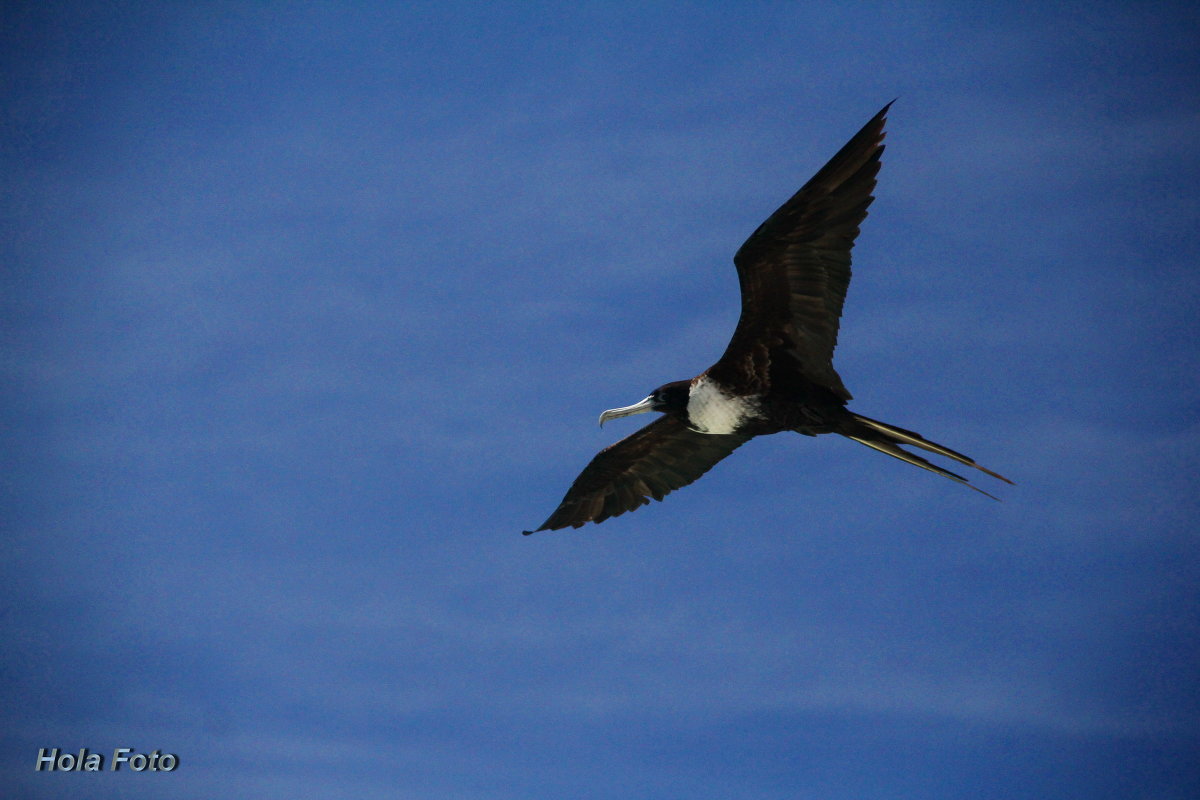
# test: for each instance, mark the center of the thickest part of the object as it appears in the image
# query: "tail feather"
(887, 438)
(916, 460)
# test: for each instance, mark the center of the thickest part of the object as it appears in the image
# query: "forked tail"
(888, 438)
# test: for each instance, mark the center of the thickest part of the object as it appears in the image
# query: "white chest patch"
(713, 411)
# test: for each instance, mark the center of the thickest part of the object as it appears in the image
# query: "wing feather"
(661, 457)
(795, 269)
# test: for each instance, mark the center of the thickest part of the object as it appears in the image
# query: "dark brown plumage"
(661, 457)
(777, 372)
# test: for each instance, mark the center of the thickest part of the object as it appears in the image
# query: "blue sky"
(309, 309)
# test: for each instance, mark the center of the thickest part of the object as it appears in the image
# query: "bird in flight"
(777, 372)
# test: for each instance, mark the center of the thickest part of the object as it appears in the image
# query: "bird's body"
(715, 408)
(711, 410)
(777, 372)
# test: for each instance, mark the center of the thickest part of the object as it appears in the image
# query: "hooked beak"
(637, 408)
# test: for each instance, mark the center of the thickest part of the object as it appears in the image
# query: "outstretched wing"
(794, 271)
(661, 457)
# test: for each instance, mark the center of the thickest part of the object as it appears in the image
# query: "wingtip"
(545, 527)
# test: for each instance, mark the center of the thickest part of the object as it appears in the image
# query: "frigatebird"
(777, 372)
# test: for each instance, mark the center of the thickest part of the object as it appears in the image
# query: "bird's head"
(670, 398)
